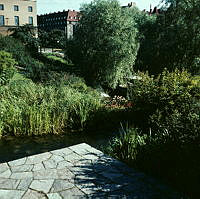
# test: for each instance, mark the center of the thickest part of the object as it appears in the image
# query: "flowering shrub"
(169, 102)
(119, 102)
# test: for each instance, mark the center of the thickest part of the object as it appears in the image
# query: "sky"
(47, 6)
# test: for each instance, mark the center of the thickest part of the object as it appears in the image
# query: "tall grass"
(157, 154)
(127, 145)
(34, 109)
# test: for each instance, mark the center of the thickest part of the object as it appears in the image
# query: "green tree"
(56, 38)
(105, 43)
(183, 16)
(148, 29)
(52, 39)
(27, 35)
(43, 38)
(173, 39)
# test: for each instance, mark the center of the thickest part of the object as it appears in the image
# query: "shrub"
(118, 102)
(15, 47)
(169, 102)
(27, 35)
(32, 66)
(196, 66)
(168, 105)
(7, 69)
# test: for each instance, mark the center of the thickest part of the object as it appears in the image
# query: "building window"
(30, 8)
(1, 7)
(16, 20)
(30, 20)
(16, 8)
(2, 21)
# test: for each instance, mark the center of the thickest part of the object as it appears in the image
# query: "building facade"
(65, 20)
(15, 13)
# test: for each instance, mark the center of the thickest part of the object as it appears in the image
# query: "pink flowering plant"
(118, 102)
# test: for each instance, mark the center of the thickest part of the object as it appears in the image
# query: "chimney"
(131, 4)
(150, 9)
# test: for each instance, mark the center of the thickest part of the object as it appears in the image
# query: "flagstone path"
(79, 171)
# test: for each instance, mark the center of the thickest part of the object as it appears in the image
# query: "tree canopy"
(105, 43)
(172, 40)
(27, 35)
(54, 39)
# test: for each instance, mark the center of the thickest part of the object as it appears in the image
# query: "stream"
(12, 148)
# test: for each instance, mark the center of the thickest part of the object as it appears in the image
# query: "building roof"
(73, 15)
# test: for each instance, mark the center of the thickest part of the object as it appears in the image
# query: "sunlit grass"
(34, 109)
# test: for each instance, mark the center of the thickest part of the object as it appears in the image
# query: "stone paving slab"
(79, 171)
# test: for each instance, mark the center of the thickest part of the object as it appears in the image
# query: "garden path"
(79, 171)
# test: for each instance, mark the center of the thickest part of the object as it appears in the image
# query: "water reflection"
(12, 148)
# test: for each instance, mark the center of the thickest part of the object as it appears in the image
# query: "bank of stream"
(12, 148)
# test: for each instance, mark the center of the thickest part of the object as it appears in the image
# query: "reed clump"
(28, 108)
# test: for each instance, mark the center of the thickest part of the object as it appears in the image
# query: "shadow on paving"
(79, 171)
(104, 177)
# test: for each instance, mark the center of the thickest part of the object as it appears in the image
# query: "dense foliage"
(172, 40)
(35, 109)
(166, 111)
(169, 103)
(175, 163)
(33, 67)
(104, 45)
(53, 39)
(7, 69)
(109, 44)
(27, 35)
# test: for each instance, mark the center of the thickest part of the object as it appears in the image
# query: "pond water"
(12, 148)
